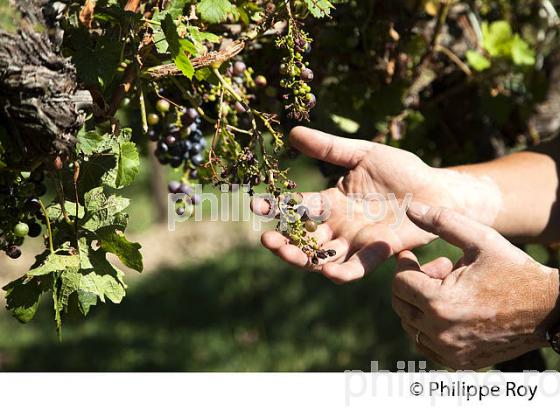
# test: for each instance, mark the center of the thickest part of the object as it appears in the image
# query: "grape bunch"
(179, 142)
(298, 98)
(297, 225)
(20, 209)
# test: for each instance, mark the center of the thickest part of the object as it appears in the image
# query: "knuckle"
(490, 236)
(442, 217)
(437, 309)
(445, 340)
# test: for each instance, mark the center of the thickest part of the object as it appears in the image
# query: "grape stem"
(142, 108)
(49, 229)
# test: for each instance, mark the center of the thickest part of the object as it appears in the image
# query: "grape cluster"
(298, 98)
(178, 145)
(298, 226)
(20, 209)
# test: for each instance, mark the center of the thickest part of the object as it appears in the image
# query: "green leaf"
(98, 278)
(128, 164)
(54, 211)
(102, 286)
(200, 36)
(104, 211)
(176, 8)
(478, 61)
(178, 47)
(54, 263)
(22, 298)
(214, 11)
(114, 162)
(117, 244)
(89, 142)
(70, 283)
(319, 8)
(86, 299)
(345, 124)
(521, 52)
(496, 38)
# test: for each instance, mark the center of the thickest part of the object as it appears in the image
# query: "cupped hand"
(366, 210)
(495, 304)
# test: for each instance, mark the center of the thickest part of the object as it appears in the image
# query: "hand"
(376, 172)
(494, 305)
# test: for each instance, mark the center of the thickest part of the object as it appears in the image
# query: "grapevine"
(178, 65)
(179, 77)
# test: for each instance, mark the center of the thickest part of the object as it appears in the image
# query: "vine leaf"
(478, 61)
(117, 244)
(128, 164)
(54, 263)
(319, 8)
(22, 299)
(215, 11)
(89, 142)
(113, 161)
(104, 211)
(499, 41)
(179, 48)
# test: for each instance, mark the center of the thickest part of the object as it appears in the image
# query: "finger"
(426, 347)
(407, 312)
(273, 240)
(438, 268)
(360, 263)
(340, 246)
(280, 245)
(268, 206)
(451, 226)
(294, 255)
(411, 284)
(335, 150)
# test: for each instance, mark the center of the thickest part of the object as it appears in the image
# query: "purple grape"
(239, 68)
(163, 147)
(311, 100)
(186, 189)
(197, 160)
(190, 116)
(307, 75)
(174, 187)
(13, 251)
(32, 205)
(34, 230)
(170, 140)
(176, 162)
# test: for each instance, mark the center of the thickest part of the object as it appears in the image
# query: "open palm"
(366, 210)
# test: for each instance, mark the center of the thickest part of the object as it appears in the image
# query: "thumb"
(340, 151)
(449, 225)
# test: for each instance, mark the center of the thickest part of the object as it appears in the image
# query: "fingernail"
(418, 209)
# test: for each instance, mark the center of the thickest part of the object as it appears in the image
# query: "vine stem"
(49, 229)
(227, 86)
(143, 114)
(253, 113)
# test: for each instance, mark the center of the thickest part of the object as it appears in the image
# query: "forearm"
(516, 194)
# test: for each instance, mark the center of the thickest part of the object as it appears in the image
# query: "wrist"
(549, 314)
(477, 197)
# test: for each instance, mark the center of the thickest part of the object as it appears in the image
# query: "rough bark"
(39, 99)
